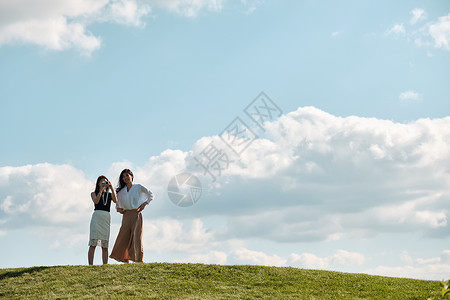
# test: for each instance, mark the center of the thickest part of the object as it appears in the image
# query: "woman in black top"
(101, 219)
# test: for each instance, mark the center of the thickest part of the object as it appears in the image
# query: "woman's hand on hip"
(142, 206)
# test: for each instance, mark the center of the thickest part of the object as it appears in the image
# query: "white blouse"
(132, 199)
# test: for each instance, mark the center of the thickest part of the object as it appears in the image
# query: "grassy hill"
(198, 281)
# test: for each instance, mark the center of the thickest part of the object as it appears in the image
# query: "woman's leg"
(91, 255)
(137, 251)
(105, 255)
(128, 245)
(120, 249)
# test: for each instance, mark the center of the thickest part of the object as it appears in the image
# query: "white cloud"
(340, 258)
(403, 217)
(445, 256)
(63, 25)
(422, 261)
(43, 195)
(251, 5)
(434, 268)
(64, 238)
(431, 272)
(406, 257)
(169, 235)
(189, 8)
(345, 258)
(417, 15)
(440, 32)
(409, 95)
(432, 34)
(258, 258)
(316, 173)
(309, 261)
(127, 12)
(396, 30)
(212, 257)
(158, 170)
(55, 34)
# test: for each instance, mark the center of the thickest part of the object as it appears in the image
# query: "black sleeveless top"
(101, 204)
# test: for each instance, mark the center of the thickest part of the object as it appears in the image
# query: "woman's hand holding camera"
(106, 184)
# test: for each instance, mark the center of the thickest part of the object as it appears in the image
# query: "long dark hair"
(97, 186)
(121, 182)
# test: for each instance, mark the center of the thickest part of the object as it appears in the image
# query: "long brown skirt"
(128, 245)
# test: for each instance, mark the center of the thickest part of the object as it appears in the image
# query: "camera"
(106, 182)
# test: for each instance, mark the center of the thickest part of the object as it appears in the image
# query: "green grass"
(198, 281)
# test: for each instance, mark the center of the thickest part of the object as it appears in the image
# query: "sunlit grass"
(198, 281)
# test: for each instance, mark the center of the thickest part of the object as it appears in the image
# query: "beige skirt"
(99, 229)
(128, 245)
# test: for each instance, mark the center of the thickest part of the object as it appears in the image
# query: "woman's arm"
(116, 200)
(142, 206)
(96, 198)
(113, 193)
(149, 198)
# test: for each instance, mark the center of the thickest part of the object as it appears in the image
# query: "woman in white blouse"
(131, 200)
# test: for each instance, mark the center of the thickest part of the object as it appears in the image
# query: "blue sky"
(91, 87)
